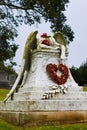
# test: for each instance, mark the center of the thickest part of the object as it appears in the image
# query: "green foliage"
(80, 74)
(75, 74)
(7, 48)
(15, 12)
(8, 67)
(7, 33)
(52, 11)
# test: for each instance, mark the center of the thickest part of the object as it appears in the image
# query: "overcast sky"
(77, 19)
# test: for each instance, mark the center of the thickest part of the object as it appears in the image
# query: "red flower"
(46, 42)
(44, 35)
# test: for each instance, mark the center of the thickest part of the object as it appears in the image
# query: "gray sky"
(77, 19)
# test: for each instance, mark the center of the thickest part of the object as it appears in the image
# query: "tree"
(15, 12)
(80, 74)
(83, 73)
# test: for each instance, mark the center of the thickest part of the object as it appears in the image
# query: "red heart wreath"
(52, 71)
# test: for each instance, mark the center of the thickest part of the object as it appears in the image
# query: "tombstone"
(48, 92)
(4, 83)
(12, 78)
(3, 75)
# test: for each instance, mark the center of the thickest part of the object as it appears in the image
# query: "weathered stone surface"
(45, 105)
(25, 96)
(38, 81)
(27, 104)
(44, 117)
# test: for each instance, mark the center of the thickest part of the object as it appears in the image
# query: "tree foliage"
(8, 68)
(80, 74)
(15, 12)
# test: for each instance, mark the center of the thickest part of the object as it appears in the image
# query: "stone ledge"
(32, 95)
(38, 118)
(43, 105)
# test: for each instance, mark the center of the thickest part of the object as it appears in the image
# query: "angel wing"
(59, 37)
(31, 44)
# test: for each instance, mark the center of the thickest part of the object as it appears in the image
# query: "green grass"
(60, 127)
(85, 88)
(3, 93)
(7, 126)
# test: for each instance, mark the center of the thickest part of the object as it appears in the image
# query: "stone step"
(70, 89)
(72, 95)
(44, 105)
(32, 95)
(75, 88)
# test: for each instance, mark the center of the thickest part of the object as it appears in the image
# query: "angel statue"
(57, 41)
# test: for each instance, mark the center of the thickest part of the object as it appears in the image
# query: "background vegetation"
(14, 13)
(80, 74)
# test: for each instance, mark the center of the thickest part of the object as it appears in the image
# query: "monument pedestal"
(28, 104)
(38, 81)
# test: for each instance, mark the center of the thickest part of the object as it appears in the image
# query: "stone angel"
(47, 42)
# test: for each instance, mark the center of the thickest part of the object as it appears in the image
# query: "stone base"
(28, 106)
(45, 105)
(61, 108)
(67, 108)
(44, 117)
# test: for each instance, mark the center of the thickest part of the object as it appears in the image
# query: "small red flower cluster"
(45, 41)
(52, 71)
(44, 35)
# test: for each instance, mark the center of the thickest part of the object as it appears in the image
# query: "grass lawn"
(6, 126)
(3, 93)
(85, 88)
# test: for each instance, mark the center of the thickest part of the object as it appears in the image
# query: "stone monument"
(4, 82)
(12, 78)
(48, 92)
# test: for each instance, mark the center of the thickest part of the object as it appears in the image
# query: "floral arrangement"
(52, 71)
(45, 39)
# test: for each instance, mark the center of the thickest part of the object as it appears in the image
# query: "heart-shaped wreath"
(53, 69)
